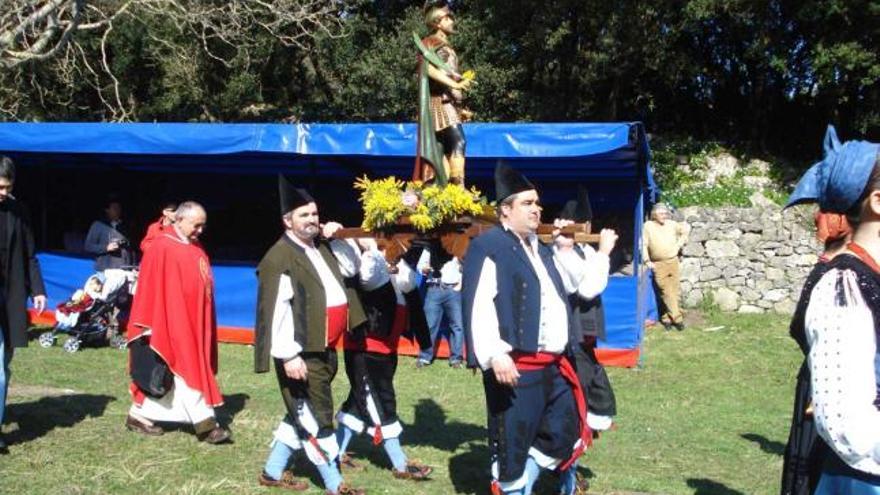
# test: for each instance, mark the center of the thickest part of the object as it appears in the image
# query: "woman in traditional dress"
(841, 319)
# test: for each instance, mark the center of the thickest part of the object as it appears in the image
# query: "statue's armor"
(445, 101)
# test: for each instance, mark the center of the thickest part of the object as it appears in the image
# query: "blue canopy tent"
(231, 167)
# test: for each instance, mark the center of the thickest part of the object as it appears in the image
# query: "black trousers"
(371, 375)
(594, 380)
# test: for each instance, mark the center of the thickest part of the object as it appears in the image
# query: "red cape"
(175, 299)
(153, 231)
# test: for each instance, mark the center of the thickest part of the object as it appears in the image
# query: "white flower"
(410, 199)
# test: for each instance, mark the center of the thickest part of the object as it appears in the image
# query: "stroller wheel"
(118, 341)
(47, 339)
(71, 344)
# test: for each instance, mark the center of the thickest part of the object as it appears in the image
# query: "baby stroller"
(92, 315)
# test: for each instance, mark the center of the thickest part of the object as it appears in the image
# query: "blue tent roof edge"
(495, 140)
(524, 142)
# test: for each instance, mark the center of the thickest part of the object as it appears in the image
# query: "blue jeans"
(6, 351)
(839, 484)
(442, 300)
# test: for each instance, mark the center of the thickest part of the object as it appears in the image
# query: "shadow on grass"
(36, 419)
(232, 405)
(303, 468)
(767, 445)
(703, 486)
(548, 482)
(429, 428)
(469, 470)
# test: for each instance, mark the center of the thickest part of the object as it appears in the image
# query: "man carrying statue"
(441, 142)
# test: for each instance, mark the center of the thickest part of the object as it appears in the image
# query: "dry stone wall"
(748, 260)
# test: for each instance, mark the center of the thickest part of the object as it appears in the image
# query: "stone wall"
(749, 260)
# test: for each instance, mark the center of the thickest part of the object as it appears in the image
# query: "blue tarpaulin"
(612, 160)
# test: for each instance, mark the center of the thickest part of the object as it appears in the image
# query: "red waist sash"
(337, 323)
(541, 360)
(380, 344)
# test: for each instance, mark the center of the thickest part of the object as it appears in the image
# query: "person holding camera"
(108, 241)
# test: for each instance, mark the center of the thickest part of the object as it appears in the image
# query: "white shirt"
(374, 274)
(284, 346)
(842, 351)
(553, 320)
(588, 274)
(450, 272)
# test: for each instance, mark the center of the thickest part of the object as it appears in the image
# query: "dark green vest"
(309, 304)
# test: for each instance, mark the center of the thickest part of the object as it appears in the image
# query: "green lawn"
(707, 413)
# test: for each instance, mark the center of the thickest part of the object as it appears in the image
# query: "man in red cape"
(160, 226)
(173, 312)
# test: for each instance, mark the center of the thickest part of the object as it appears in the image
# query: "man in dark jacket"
(520, 329)
(19, 277)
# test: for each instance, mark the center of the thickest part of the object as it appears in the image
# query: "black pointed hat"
(508, 181)
(578, 209)
(291, 197)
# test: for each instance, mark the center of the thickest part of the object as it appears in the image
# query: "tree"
(768, 75)
(55, 47)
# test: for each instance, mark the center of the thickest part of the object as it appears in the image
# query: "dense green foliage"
(768, 75)
(681, 164)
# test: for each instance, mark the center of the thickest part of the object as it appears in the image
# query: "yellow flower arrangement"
(386, 200)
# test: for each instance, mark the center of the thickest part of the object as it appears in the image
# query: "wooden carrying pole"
(455, 236)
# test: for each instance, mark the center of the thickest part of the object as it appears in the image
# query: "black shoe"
(679, 326)
(4, 449)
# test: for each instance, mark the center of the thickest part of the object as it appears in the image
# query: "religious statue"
(441, 142)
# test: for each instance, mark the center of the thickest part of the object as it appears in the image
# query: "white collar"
(178, 236)
(299, 241)
(530, 239)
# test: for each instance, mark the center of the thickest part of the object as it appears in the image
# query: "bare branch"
(47, 34)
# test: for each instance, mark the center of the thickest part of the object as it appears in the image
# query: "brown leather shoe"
(216, 436)
(347, 463)
(287, 482)
(133, 424)
(415, 471)
(345, 489)
(581, 486)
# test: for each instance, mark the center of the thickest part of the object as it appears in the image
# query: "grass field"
(707, 413)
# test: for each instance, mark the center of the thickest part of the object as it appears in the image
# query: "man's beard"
(309, 231)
